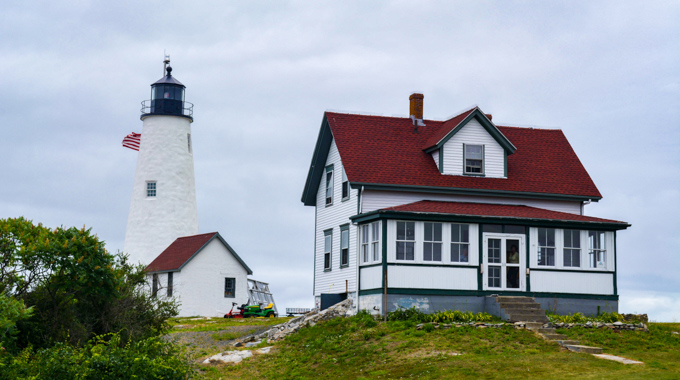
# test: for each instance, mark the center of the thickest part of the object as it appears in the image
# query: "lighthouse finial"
(166, 61)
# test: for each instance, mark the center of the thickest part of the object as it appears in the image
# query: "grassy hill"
(361, 348)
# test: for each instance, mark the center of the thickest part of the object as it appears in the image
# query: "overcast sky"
(261, 74)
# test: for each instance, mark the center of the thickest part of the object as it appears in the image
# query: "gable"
(474, 134)
(183, 249)
(317, 166)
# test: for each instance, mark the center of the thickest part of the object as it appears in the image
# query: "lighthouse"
(163, 204)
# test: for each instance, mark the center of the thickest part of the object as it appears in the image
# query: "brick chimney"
(416, 106)
(488, 116)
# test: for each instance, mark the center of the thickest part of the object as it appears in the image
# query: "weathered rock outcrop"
(281, 331)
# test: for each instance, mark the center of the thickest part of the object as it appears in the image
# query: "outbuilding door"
(504, 264)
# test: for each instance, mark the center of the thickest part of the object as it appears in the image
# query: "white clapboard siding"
(337, 280)
(371, 278)
(473, 133)
(415, 277)
(435, 157)
(372, 200)
(572, 282)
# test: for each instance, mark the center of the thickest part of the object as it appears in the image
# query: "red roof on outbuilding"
(387, 151)
(183, 249)
(495, 210)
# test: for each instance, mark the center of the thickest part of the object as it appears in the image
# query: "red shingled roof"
(495, 210)
(179, 252)
(387, 151)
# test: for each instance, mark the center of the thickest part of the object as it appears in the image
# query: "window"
(460, 243)
(370, 242)
(344, 246)
(597, 254)
(151, 189)
(189, 142)
(406, 240)
(546, 246)
(345, 186)
(375, 239)
(327, 246)
(432, 245)
(229, 287)
(474, 159)
(572, 248)
(154, 285)
(364, 242)
(329, 185)
(170, 284)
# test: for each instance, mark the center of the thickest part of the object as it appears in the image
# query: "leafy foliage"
(103, 357)
(11, 311)
(605, 317)
(442, 316)
(75, 287)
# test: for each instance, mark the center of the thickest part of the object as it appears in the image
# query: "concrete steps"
(521, 309)
(571, 345)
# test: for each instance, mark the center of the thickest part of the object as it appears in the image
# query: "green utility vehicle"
(253, 311)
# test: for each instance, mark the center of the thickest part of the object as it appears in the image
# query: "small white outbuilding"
(203, 272)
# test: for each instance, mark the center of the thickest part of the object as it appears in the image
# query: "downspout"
(584, 204)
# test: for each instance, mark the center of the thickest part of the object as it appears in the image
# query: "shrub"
(11, 312)
(102, 358)
(442, 316)
(580, 318)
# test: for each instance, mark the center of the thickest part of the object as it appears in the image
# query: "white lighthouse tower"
(163, 205)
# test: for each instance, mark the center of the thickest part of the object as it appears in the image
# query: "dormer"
(470, 144)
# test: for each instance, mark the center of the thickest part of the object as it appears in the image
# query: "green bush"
(11, 312)
(605, 317)
(102, 358)
(442, 316)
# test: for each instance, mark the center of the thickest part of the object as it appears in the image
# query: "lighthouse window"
(189, 141)
(151, 189)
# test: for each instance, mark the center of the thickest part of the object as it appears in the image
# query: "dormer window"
(474, 159)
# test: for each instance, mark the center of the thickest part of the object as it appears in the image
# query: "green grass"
(361, 348)
(217, 324)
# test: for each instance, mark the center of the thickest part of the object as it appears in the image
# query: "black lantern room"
(167, 98)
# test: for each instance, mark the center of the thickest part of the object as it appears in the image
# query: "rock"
(228, 357)
(252, 344)
(263, 350)
(617, 323)
(675, 332)
(419, 326)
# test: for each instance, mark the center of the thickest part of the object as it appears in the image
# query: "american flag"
(132, 141)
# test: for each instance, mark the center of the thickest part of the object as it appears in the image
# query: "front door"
(503, 263)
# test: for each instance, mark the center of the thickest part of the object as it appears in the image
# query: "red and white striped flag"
(132, 141)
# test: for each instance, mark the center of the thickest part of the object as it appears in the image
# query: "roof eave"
(316, 167)
(466, 191)
(413, 215)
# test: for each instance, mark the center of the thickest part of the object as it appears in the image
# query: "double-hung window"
(597, 253)
(406, 240)
(474, 159)
(344, 246)
(572, 248)
(375, 239)
(546, 246)
(329, 185)
(345, 186)
(229, 287)
(327, 246)
(460, 243)
(432, 244)
(365, 234)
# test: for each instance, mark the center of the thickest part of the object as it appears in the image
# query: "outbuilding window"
(229, 287)
(154, 285)
(170, 280)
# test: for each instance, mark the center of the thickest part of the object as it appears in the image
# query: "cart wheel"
(270, 314)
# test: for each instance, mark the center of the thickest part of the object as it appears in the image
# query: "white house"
(203, 272)
(443, 214)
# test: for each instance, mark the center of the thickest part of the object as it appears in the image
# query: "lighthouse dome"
(167, 98)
